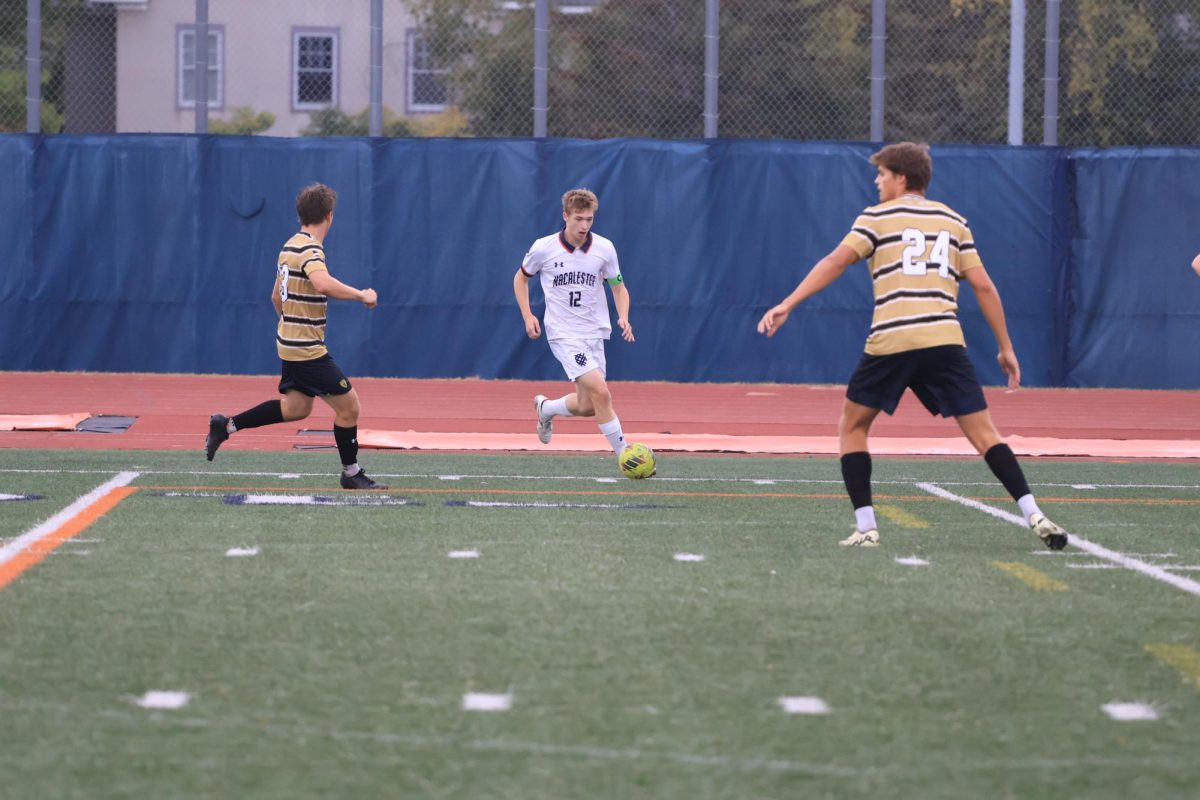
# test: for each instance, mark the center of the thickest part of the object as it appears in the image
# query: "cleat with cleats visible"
(1052, 535)
(861, 539)
(359, 480)
(217, 433)
(545, 425)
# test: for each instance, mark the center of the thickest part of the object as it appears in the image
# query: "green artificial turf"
(333, 663)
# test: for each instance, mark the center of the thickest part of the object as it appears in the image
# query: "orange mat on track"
(42, 422)
(811, 445)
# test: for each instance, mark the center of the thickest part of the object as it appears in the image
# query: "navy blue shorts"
(315, 377)
(942, 378)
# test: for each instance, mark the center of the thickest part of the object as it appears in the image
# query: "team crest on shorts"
(342, 383)
(581, 359)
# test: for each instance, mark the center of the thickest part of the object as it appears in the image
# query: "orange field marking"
(41, 548)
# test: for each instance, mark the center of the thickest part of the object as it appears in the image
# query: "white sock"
(864, 518)
(1029, 507)
(350, 470)
(557, 408)
(229, 426)
(612, 432)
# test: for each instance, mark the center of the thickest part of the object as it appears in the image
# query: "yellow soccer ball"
(637, 461)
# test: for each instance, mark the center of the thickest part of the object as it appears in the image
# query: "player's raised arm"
(533, 328)
(330, 286)
(823, 273)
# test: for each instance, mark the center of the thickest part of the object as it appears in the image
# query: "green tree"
(947, 70)
(488, 53)
(795, 69)
(800, 69)
(335, 122)
(1130, 71)
(636, 67)
(242, 121)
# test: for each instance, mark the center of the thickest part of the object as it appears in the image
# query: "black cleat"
(359, 480)
(217, 433)
(1052, 535)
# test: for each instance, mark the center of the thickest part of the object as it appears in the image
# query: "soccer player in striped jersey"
(574, 265)
(303, 286)
(917, 250)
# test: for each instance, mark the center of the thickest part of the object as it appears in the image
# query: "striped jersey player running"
(917, 251)
(574, 264)
(300, 296)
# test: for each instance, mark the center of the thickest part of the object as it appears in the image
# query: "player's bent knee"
(295, 411)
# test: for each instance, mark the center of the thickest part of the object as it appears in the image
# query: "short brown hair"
(314, 203)
(580, 200)
(910, 160)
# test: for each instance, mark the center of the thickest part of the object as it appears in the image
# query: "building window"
(314, 69)
(185, 93)
(426, 81)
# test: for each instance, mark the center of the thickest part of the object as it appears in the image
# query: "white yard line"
(1130, 712)
(762, 481)
(18, 545)
(1099, 551)
(262, 724)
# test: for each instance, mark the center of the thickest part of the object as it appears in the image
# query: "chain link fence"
(1128, 71)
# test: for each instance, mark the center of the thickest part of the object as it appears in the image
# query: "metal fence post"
(201, 66)
(1016, 74)
(541, 60)
(33, 66)
(376, 124)
(712, 49)
(878, 76)
(1050, 111)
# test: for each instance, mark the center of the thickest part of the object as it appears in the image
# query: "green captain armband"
(615, 281)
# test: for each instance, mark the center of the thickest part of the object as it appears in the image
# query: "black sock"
(1004, 466)
(347, 443)
(856, 472)
(268, 413)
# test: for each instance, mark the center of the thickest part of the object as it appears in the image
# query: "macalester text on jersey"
(574, 279)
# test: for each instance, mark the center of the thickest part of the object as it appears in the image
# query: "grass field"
(337, 657)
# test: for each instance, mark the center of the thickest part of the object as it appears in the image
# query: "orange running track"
(172, 411)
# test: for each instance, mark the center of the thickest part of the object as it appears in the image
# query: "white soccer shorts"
(579, 356)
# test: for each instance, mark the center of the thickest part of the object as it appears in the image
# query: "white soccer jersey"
(573, 282)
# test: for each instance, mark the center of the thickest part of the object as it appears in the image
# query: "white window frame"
(412, 35)
(185, 74)
(335, 71)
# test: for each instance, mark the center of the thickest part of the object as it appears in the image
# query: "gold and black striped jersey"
(917, 251)
(301, 332)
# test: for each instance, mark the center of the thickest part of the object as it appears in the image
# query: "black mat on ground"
(105, 423)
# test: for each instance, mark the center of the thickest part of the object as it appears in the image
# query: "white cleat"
(1054, 536)
(861, 539)
(545, 425)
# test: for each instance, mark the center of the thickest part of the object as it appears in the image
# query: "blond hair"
(580, 200)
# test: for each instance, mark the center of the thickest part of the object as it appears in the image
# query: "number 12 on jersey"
(574, 298)
(939, 255)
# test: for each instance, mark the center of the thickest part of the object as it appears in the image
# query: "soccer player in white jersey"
(574, 265)
(917, 250)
